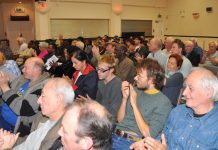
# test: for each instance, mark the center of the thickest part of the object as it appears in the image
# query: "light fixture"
(117, 8)
(19, 2)
(42, 7)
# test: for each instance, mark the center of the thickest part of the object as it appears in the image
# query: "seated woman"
(109, 92)
(174, 79)
(85, 78)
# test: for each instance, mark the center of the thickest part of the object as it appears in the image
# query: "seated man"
(193, 125)
(20, 97)
(193, 57)
(143, 110)
(56, 95)
(89, 129)
(210, 56)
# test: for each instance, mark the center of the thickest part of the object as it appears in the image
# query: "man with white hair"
(22, 44)
(193, 125)
(191, 54)
(197, 48)
(56, 95)
(156, 53)
(168, 45)
(79, 44)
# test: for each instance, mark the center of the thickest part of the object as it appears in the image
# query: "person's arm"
(142, 125)
(125, 92)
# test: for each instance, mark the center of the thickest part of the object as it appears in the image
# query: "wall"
(2, 34)
(14, 28)
(180, 20)
(102, 9)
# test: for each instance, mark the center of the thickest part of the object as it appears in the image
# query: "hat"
(43, 44)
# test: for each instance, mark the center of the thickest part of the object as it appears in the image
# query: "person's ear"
(209, 93)
(86, 142)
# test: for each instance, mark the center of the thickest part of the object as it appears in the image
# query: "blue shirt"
(185, 132)
(11, 66)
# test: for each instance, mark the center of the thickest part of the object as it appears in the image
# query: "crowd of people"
(109, 93)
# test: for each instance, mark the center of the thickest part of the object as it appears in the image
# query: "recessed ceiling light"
(19, 2)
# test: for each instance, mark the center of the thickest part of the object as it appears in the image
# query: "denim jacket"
(183, 131)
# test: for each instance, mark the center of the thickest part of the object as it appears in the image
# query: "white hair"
(62, 87)
(208, 80)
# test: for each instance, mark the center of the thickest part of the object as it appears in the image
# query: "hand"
(4, 80)
(7, 139)
(138, 57)
(153, 144)
(53, 64)
(80, 97)
(133, 96)
(140, 145)
(95, 50)
(125, 90)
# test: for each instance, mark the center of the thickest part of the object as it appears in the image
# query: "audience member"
(197, 48)
(85, 79)
(43, 47)
(20, 97)
(56, 95)
(80, 44)
(192, 125)
(109, 86)
(210, 56)
(89, 128)
(142, 110)
(193, 57)
(174, 78)
(156, 53)
(22, 44)
(125, 68)
(6, 50)
(168, 45)
(177, 48)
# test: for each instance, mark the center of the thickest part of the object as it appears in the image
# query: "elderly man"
(90, 127)
(168, 45)
(20, 97)
(193, 125)
(56, 95)
(210, 57)
(156, 53)
(144, 109)
(193, 57)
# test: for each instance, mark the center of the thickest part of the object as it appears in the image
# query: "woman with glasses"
(85, 78)
(109, 85)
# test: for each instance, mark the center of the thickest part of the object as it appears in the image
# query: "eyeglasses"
(103, 70)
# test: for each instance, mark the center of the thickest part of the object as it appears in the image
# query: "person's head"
(21, 40)
(137, 40)
(110, 47)
(150, 74)
(79, 60)
(2, 59)
(33, 68)
(174, 63)
(89, 128)
(43, 46)
(168, 43)
(177, 47)
(120, 51)
(154, 45)
(189, 45)
(194, 40)
(212, 47)
(51, 48)
(80, 44)
(106, 66)
(201, 90)
(130, 44)
(56, 95)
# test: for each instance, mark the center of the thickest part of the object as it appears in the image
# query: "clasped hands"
(4, 82)
(7, 139)
(129, 91)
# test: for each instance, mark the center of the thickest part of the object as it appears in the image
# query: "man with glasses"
(144, 109)
(109, 86)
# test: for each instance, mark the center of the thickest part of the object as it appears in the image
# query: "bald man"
(191, 54)
(20, 97)
(193, 125)
(155, 45)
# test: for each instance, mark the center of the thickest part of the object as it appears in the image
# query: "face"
(78, 65)
(110, 48)
(152, 45)
(175, 49)
(168, 44)
(137, 41)
(67, 130)
(141, 79)
(212, 48)
(194, 93)
(104, 71)
(172, 65)
(50, 49)
(49, 101)
(188, 48)
(28, 69)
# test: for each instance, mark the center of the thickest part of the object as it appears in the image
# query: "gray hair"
(62, 87)
(208, 80)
